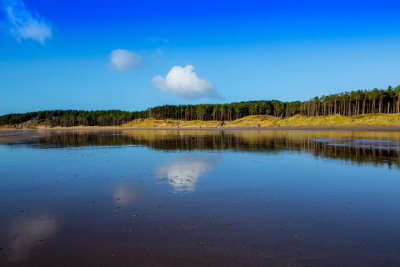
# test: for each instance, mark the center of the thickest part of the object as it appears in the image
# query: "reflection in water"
(362, 143)
(385, 148)
(183, 172)
(27, 232)
(126, 195)
(245, 198)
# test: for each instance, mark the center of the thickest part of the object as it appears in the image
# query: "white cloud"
(184, 82)
(24, 24)
(123, 59)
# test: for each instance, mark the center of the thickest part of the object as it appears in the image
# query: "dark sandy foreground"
(11, 135)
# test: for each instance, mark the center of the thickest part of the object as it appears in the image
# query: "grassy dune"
(149, 123)
(269, 121)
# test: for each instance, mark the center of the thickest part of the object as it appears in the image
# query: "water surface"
(129, 198)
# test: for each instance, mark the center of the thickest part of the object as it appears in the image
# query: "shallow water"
(170, 198)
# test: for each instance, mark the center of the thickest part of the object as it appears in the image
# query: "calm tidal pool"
(179, 198)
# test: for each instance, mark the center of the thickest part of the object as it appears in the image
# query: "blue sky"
(132, 55)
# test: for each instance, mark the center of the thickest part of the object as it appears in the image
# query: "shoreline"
(308, 127)
(8, 135)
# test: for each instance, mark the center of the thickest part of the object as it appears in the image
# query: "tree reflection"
(318, 143)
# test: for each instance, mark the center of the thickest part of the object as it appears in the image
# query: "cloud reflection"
(183, 172)
(126, 194)
(27, 232)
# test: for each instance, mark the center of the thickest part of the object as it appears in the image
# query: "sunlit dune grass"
(149, 123)
(197, 123)
(338, 120)
(255, 121)
(270, 121)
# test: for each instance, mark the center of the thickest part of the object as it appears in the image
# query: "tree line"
(346, 104)
(68, 118)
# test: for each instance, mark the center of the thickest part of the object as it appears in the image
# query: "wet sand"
(200, 198)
